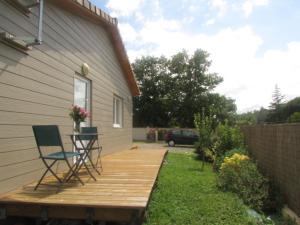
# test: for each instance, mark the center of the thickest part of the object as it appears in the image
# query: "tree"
(174, 89)
(204, 125)
(253, 117)
(275, 108)
(151, 107)
(277, 99)
(294, 118)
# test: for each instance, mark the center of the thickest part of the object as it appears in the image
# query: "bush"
(274, 203)
(204, 126)
(240, 175)
(220, 159)
(207, 155)
(228, 138)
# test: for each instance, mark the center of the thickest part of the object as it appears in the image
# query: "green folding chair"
(95, 146)
(49, 136)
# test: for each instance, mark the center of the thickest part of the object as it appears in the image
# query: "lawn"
(186, 195)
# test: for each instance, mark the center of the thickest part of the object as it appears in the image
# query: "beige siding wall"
(38, 88)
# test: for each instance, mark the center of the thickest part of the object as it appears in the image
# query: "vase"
(77, 127)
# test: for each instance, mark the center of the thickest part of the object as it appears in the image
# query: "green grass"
(186, 195)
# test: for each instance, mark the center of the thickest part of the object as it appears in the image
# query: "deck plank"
(126, 182)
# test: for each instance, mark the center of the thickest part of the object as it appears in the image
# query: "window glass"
(188, 133)
(117, 111)
(176, 132)
(80, 93)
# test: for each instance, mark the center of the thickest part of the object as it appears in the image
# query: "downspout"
(40, 32)
(38, 40)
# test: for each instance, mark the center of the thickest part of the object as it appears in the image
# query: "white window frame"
(117, 112)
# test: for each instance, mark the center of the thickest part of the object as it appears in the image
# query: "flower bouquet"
(78, 114)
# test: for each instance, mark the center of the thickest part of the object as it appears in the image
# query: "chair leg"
(69, 175)
(88, 170)
(72, 173)
(84, 156)
(94, 167)
(51, 171)
(101, 168)
(99, 157)
(82, 159)
(44, 174)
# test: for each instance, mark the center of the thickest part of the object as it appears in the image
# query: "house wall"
(37, 88)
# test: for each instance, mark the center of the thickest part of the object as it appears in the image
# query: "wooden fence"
(277, 151)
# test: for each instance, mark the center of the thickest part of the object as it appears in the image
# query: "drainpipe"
(40, 32)
(38, 40)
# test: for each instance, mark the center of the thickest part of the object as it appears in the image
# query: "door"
(82, 96)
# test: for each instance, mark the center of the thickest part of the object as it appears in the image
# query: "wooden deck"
(121, 192)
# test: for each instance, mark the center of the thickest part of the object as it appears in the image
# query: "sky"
(253, 44)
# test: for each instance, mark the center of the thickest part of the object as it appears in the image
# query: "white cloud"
(193, 8)
(129, 33)
(221, 5)
(248, 5)
(188, 20)
(248, 78)
(210, 22)
(124, 7)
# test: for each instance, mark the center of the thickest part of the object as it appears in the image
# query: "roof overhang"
(89, 11)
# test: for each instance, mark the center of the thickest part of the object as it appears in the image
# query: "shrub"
(228, 138)
(219, 159)
(207, 155)
(240, 175)
(274, 203)
(204, 126)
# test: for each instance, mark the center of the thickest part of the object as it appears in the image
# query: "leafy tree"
(204, 124)
(295, 117)
(254, 117)
(151, 108)
(174, 89)
(205, 127)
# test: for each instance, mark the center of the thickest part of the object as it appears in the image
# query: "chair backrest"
(47, 135)
(88, 130)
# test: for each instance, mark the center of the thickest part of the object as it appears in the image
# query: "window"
(188, 133)
(117, 112)
(176, 132)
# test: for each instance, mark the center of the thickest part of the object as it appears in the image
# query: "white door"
(82, 96)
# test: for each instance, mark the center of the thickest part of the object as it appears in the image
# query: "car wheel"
(171, 143)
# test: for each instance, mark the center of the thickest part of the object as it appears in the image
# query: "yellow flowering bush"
(240, 175)
(234, 160)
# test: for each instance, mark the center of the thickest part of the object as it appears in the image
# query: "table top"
(85, 134)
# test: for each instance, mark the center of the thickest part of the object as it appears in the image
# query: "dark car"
(181, 137)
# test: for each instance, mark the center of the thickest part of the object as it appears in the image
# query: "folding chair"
(49, 136)
(92, 130)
